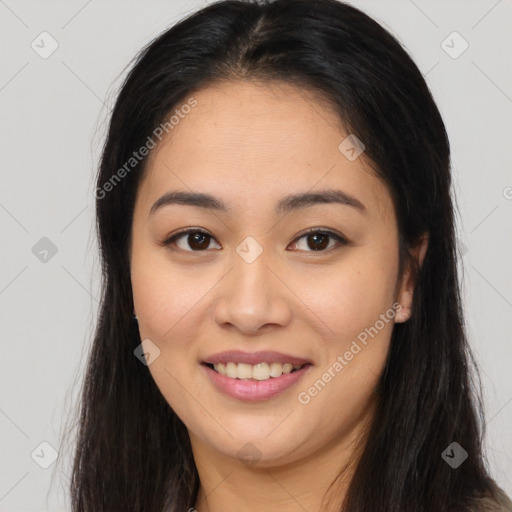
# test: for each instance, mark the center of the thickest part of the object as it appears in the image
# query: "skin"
(251, 144)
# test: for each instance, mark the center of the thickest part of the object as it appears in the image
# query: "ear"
(406, 290)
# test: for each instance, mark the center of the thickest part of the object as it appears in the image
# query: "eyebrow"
(288, 203)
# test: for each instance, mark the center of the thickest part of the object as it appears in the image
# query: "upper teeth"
(261, 371)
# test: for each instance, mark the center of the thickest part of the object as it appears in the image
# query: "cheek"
(357, 307)
(353, 294)
(164, 294)
(168, 304)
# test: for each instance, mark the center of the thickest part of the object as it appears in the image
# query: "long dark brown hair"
(132, 451)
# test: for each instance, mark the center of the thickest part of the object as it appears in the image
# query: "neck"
(318, 482)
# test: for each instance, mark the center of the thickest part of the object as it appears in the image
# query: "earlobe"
(402, 314)
(405, 296)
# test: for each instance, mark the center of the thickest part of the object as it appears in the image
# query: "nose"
(252, 298)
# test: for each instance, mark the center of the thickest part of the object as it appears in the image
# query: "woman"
(274, 209)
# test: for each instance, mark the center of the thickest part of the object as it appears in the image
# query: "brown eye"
(196, 240)
(191, 240)
(318, 240)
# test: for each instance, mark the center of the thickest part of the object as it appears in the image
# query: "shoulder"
(501, 503)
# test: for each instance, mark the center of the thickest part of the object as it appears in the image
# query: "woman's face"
(252, 281)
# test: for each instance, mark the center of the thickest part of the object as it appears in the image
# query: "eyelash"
(187, 231)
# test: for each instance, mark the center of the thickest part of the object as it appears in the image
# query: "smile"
(260, 371)
(253, 389)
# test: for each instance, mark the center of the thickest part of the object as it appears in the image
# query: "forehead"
(251, 143)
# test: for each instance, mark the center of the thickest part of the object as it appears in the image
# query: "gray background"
(53, 115)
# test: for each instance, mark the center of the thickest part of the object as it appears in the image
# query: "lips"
(263, 385)
(253, 358)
